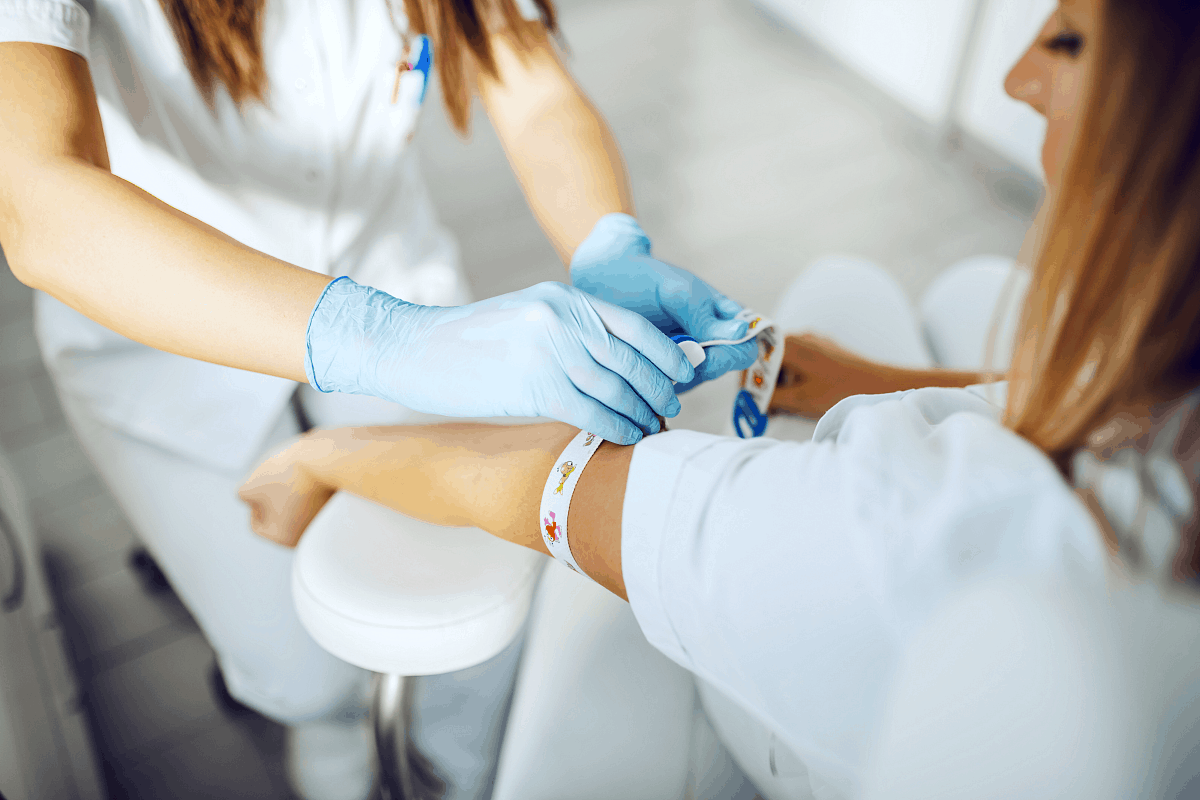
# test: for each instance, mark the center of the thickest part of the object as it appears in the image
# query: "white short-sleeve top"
(790, 576)
(321, 176)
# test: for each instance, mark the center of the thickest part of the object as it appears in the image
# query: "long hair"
(1113, 312)
(221, 41)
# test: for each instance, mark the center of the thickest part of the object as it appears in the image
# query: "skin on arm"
(456, 474)
(558, 144)
(120, 256)
(817, 374)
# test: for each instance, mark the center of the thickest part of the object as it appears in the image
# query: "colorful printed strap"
(758, 382)
(556, 497)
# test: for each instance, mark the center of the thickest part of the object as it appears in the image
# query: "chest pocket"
(409, 86)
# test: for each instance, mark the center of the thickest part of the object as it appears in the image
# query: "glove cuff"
(339, 336)
(613, 236)
(318, 324)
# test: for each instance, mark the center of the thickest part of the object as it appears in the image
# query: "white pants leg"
(237, 585)
(858, 305)
(971, 305)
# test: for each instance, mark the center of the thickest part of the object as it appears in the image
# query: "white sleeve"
(788, 574)
(60, 23)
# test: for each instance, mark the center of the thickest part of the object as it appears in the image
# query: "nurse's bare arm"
(559, 146)
(484, 476)
(106, 248)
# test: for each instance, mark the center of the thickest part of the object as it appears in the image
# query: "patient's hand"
(284, 496)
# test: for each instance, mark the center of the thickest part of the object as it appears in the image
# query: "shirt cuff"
(52, 22)
(655, 488)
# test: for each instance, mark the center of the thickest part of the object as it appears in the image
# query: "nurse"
(182, 179)
(794, 578)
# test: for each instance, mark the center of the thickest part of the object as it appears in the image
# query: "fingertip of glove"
(630, 438)
(728, 329)
(730, 308)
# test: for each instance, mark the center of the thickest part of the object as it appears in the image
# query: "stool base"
(404, 773)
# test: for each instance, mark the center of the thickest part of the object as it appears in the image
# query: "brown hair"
(221, 42)
(1113, 313)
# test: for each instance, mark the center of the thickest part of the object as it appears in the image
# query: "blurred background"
(759, 136)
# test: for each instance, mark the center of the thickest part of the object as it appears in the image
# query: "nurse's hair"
(1113, 312)
(221, 41)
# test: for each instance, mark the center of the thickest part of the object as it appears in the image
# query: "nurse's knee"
(968, 279)
(833, 279)
(291, 697)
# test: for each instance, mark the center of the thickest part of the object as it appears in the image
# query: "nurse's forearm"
(113, 252)
(485, 476)
(560, 147)
(146, 270)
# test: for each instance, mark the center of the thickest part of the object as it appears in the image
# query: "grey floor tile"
(219, 759)
(18, 348)
(85, 537)
(112, 616)
(16, 299)
(43, 386)
(20, 406)
(47, 466)
(142, 702)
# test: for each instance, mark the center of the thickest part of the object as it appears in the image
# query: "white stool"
(404, 598)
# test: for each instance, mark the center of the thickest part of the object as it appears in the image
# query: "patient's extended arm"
(817, 374)
(484, 476)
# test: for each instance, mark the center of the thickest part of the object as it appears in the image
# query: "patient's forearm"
(485, 476)
(896, 379)
(449, 474)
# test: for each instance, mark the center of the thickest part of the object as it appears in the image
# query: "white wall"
(909, 48)
(985, 111)
(914, 50)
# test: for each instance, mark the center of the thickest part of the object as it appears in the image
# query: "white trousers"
(238, 587)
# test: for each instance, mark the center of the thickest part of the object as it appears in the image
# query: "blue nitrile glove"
(549, 350)
(614, 264)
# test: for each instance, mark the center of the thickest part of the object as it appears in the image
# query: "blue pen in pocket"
(417, 61)
(424, 63)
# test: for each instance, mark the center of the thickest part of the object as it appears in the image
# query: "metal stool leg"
(404, 774)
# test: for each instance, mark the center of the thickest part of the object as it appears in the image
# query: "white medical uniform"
(322, 176)
(791, 576)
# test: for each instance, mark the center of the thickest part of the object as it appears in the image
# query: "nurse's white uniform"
(321, 176)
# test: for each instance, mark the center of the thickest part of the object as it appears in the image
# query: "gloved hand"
(614, 263)
(549, 350)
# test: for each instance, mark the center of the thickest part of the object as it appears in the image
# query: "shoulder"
(946, 444)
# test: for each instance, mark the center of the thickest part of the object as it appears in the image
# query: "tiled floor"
(751, 153)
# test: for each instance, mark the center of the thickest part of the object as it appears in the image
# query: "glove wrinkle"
(544, 351)
(614, 264)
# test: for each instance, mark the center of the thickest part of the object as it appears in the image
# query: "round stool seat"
(391, 594)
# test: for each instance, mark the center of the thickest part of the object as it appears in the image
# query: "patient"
(793, 576)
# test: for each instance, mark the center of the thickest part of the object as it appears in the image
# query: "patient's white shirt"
(791, 576)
